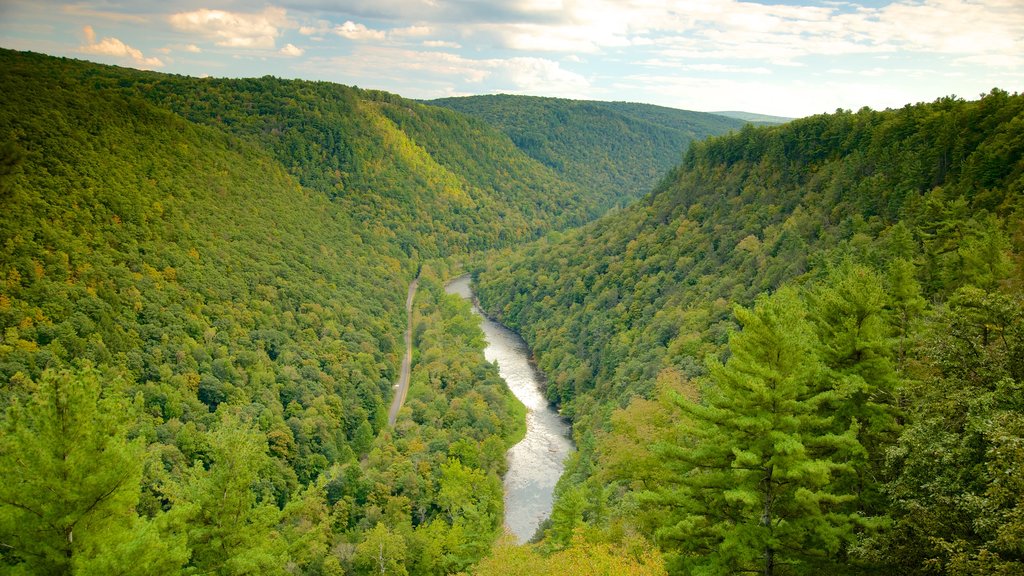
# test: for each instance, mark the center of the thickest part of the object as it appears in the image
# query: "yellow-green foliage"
(584, 557)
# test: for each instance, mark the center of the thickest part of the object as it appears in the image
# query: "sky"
(783, 57)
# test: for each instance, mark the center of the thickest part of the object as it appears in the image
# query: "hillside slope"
(194, 264)
(910, 221)
(616, 150)
(438, 181)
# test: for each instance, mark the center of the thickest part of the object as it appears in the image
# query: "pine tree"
(755, 467)
(231, 528)
(905, 303)
(72, 481)
(849, 317)
(955, 489)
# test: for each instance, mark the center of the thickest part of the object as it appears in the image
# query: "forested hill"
(617, 150)
(804, 350)
(438, 181)
(754, 118)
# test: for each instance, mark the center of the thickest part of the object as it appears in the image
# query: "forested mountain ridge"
(846, 288)
(617, 151)
(753, 117)
(439, 181)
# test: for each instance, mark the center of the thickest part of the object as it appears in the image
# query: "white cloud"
(361, 32)
(354, 31)
(235, 29)
(118, 49)
(542, 76)
(1006, 61)
(391, 68)
(794, 98)
(441, 44)
(319, 28)
(291, 50)
(190, 48)
(753, 31)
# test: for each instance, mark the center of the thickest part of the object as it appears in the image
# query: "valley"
(237, 332)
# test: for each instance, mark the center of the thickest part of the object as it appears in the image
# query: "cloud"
(390, 68)
(117, 49)
(190, 48)
(411, 31)
(360, 32)
(777, 34)
(542, 76)
(234, 29)
(441, 44)
(795, 97)
(354, 31)
(1007, 61)
(291, 50)
(318, 28)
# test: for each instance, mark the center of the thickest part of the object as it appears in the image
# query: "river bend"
(535, 463)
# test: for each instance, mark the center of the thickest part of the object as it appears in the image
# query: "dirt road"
(402, 386)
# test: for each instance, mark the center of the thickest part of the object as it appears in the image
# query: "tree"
(472, 502)
(231, 528)
(756, 470)
(381, 552)
(588, 555)
(71, 483)
(848, 311)
(905, 303)
(11, 157)
(955, 483)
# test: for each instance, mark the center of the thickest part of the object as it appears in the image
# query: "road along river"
(535, 463)
(402, 386)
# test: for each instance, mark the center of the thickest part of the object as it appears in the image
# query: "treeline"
(802, 353)
(617, 151)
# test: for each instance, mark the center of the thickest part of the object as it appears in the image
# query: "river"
(535, 463)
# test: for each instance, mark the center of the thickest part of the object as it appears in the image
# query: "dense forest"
(616, 151)
(803, 353)
(201, 299)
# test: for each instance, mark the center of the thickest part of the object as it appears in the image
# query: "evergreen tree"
(755, 481)
(231, 528)
(72, 481)
(850, 320)
(954, 489)
(905, 303)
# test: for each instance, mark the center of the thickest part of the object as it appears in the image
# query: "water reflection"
(536, 463)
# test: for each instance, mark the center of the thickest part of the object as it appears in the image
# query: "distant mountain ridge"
(616, 150)
(754, 118)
